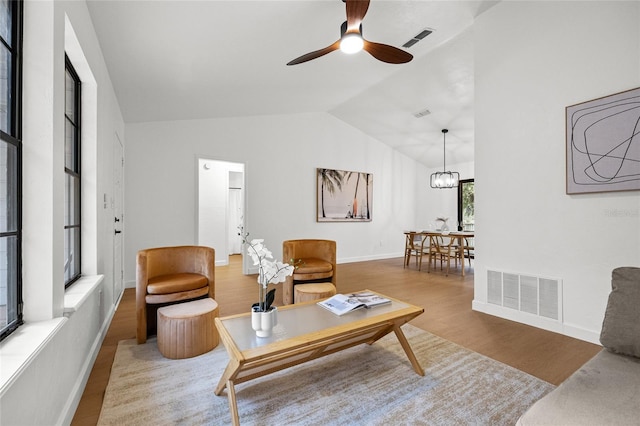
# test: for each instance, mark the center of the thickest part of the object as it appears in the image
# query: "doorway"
(221, 207)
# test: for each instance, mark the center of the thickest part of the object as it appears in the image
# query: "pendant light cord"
(444, 149)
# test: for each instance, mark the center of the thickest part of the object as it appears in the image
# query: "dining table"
(460, 236)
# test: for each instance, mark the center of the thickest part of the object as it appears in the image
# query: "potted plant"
(263, 314)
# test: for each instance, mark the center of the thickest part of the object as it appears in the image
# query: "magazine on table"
(341, 304)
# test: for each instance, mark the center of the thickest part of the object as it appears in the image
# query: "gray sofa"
(606, 390)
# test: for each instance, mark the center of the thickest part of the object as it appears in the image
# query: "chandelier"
(444, 179)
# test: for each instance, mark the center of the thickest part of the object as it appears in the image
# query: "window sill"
(76, 294)
(18, 350)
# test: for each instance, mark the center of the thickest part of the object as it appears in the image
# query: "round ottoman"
(187, 329)
(312, 291)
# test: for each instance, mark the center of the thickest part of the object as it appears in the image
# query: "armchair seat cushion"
(313, 269)
(312, 265)
(175, 283)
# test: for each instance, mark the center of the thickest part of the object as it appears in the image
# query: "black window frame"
(76, 172)
(14, 138)
(461, 183)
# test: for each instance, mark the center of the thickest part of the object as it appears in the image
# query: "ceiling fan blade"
(315, 54)
(356, 9)
(386, 53)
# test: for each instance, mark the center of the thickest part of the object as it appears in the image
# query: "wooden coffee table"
(305, 332)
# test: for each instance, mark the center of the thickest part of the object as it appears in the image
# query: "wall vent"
(525, 293)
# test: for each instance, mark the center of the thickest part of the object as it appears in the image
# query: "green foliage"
(268, 301)
(468, 209)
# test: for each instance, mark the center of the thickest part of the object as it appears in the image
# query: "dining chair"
(414, 246)
(443, 248)
(469, 249)
(409, 248)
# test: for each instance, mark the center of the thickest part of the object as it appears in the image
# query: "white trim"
(369, 257)
(537, 321)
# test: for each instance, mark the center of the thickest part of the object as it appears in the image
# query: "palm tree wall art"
(344, 196)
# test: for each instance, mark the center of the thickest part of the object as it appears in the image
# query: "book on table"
(341, 304)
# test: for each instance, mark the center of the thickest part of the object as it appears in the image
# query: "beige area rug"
(364, 385)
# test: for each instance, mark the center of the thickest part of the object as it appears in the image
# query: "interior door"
(118, 222)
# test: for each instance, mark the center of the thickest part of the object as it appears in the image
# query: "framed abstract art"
(603, 144)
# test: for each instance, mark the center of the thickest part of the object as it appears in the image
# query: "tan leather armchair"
(168, 275)
(315, 261)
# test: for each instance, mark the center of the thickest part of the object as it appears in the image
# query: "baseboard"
(369, 257)
(78, 389)
(582, 334)
(536, 321)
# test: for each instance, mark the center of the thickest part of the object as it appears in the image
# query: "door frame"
(117, 216)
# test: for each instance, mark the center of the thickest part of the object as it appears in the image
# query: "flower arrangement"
(269, 270)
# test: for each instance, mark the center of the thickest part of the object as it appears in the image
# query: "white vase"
(263, 322)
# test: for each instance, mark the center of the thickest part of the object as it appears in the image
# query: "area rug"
(365, 385)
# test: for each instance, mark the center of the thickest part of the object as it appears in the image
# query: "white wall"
(532, 60)
(281, 154)
(47, 361)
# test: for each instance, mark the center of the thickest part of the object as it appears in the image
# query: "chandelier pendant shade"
(444, 179)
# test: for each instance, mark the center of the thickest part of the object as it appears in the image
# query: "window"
(10, 166)
(72, 176)
(466, 211)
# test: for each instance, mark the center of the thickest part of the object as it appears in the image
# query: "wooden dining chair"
(469, 249)
(409, 248)
(416, 245)
(443, 248)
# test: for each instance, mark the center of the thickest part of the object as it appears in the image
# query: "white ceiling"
(174, 60)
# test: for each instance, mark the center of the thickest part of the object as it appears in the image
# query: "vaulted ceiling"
(180, 59)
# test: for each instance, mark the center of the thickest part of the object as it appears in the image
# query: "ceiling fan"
(351, 40)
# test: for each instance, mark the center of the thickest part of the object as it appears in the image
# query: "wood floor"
(446, 300)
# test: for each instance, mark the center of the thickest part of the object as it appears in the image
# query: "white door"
(118, 222)
(236, 218)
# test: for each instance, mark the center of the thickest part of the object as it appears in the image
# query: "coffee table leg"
(233, 406)
(407, 349)
(229, 374)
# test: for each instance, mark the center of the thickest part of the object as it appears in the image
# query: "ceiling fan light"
(351, 43)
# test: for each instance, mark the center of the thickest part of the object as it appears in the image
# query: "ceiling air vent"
(416, 38)
(422, 113)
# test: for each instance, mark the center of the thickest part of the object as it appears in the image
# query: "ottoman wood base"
(313, 291)
(187, 329)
